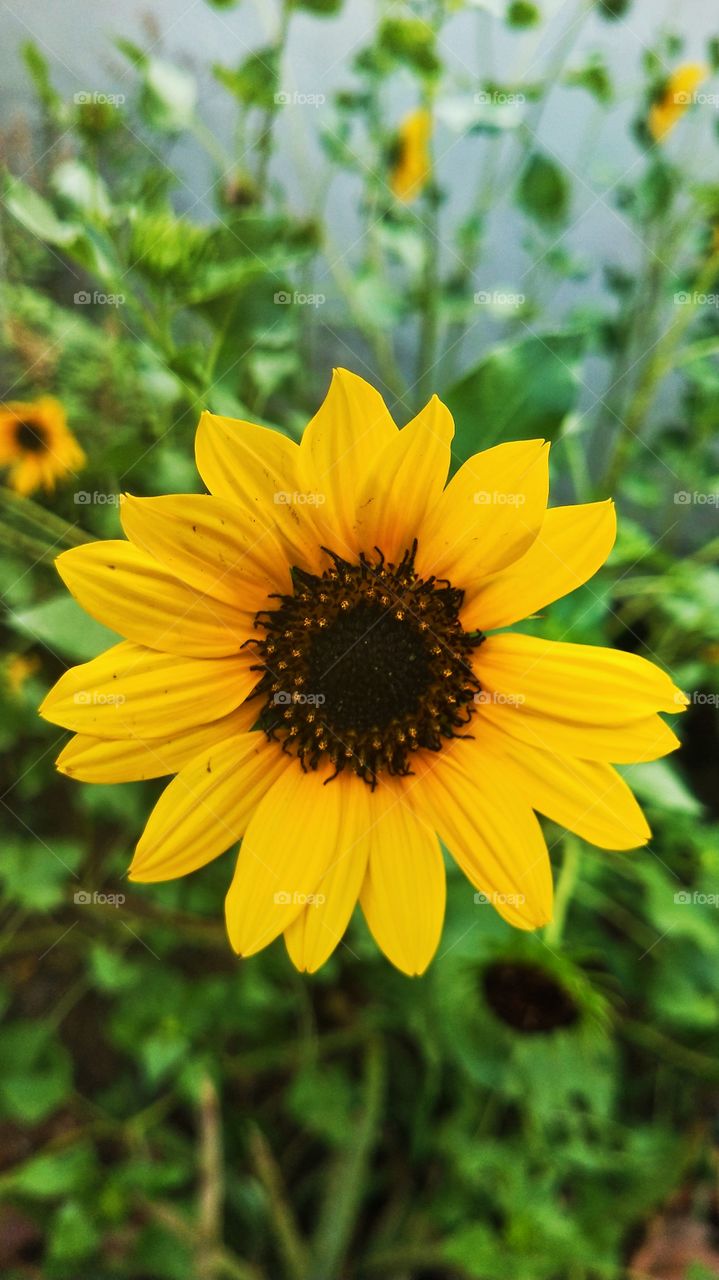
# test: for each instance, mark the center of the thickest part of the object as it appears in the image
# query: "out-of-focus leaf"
(659, 784)
(544, 190)
(255, 82)
(83, 188)
(65, 628)
(518, 391)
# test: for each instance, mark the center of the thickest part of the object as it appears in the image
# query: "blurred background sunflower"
(513, 204)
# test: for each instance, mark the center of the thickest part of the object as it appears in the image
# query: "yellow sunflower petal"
(90, 759)
(338, 449)
(129, 691)
(207, 807)
(629, 742)
(491, 833)
(571, 546)
(317, 930)
(489, 514)
(128, 590)
(296, 832)
(406, 481)
(585, 796)
(577, 683)
(208, 543)
(259, 469)
(403, 896)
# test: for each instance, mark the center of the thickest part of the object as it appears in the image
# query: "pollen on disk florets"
(364, 664)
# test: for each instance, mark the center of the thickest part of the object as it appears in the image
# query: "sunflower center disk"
(30, 437)
(364, 664)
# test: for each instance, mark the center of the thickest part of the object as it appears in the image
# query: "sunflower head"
(37, 444)
(318, 650)
(411, 160)
(675, 98)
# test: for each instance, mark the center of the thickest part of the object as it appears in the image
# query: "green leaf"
(659, 784)
(255, 82)
(594, 77)
(169, 95)
(37, 215)
(55, 1173)
(409, 40)
(65, 628)
(522, 14)
(520, 390)
(543, 191)
(82, 188)
(322, 8)
(73, 1235)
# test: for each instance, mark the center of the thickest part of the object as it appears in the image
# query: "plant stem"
(563, 894)
(345, 1187)
(289, 1240)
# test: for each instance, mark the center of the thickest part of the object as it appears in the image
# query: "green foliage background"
(165, 1111)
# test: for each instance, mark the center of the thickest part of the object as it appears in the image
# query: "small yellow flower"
(676, 97)
(18, 667)
(36, 444)
(318, 650)
(412, 167)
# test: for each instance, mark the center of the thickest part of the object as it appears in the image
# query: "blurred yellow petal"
(412, 168)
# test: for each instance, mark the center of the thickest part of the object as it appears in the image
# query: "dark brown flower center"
(30, 436)
(527, 998)
(364, 664)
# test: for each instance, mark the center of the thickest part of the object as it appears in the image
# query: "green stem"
(289, 1240)
(346, 1185)
(563, 894)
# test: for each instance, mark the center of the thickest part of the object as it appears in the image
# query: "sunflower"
(315, 650)
(676, 97)
(36, 443)
(411, 159)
